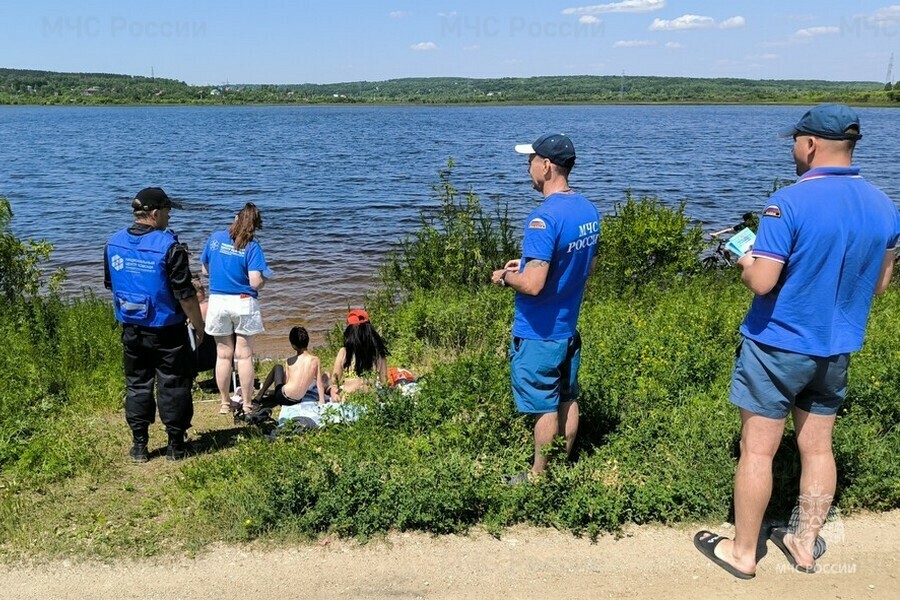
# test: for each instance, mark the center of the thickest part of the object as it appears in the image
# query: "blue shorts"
(544, 373)
(769, 382)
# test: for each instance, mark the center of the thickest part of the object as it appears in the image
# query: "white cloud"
(445, 15)
(674, 45)
(733, 22)
(682, 22)
(399, 14)
(694, 22)
(424, 46)
(888, 15)
(471, 48)
(630, 6)
(814, 31)
(633, 43)
(802, 36)
(588, 20)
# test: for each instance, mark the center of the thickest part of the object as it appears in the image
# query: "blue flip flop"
(707, 547)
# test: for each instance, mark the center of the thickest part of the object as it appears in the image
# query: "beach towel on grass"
(320, 414)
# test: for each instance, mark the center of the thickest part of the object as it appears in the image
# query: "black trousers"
(158, 358)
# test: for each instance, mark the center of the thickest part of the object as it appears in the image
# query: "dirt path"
(649, 562)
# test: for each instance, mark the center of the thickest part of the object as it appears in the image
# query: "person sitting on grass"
(298, 380)
(363, 352)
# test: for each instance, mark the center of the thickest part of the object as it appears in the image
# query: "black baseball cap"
(153, 198)
(554, 146)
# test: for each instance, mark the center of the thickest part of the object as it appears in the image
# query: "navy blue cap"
(555, 146)
(153, 198)
(827, 121)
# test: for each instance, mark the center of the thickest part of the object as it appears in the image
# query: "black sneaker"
(138, 453)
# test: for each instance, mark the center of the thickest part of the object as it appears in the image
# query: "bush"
(652, 351)
(20, 262)
(437, 325)
(61, 363)
(645, 242)
(456, 245)
(658, 439)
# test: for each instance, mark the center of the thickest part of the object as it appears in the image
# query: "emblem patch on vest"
(537, 224)
(772, 211)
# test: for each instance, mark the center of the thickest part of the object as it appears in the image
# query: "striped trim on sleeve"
(768, 255)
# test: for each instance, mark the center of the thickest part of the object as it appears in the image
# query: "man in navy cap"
(558, 254)
(153, 294)
(825, 247)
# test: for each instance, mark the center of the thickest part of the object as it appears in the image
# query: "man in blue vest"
(149, 274)
(825, 247)
(558, 254)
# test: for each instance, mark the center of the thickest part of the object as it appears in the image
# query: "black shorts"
(283, 400)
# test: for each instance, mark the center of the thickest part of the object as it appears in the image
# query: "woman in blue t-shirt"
(237, 270)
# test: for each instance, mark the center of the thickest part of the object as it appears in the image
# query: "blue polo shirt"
(229, 269)
(563, 230)
(831, 230)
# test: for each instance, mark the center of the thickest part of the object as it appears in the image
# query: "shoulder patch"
(537, 223)
(772, 211)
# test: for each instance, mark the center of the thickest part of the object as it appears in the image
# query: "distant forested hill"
(44, 87)
(19, 86)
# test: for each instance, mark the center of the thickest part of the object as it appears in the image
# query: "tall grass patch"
(658, 440)
(61, 363)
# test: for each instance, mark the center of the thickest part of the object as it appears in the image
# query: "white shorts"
(229, 314)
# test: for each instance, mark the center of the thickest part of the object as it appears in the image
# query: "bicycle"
(719, 256)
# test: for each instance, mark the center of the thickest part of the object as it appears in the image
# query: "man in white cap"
(825, 247)
(558, 254)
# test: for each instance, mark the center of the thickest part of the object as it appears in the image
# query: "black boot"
(177, 449)
(138, 452)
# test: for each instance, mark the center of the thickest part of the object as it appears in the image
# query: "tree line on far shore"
(18, 86)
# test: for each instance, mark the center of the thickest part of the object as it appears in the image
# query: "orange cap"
(357, 316)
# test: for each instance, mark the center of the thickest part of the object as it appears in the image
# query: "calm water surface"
(338, 186)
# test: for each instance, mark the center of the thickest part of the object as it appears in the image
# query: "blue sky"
(210, 42)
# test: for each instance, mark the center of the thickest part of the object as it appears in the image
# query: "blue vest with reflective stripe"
(140, 284)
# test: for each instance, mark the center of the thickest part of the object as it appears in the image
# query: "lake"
(339, 186)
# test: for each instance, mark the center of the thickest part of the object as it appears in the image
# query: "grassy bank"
(657, 444)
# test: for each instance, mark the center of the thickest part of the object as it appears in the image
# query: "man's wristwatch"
(503, 279)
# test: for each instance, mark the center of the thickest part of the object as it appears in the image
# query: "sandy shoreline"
(648, 562)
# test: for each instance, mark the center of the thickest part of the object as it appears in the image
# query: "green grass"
(657, 442)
